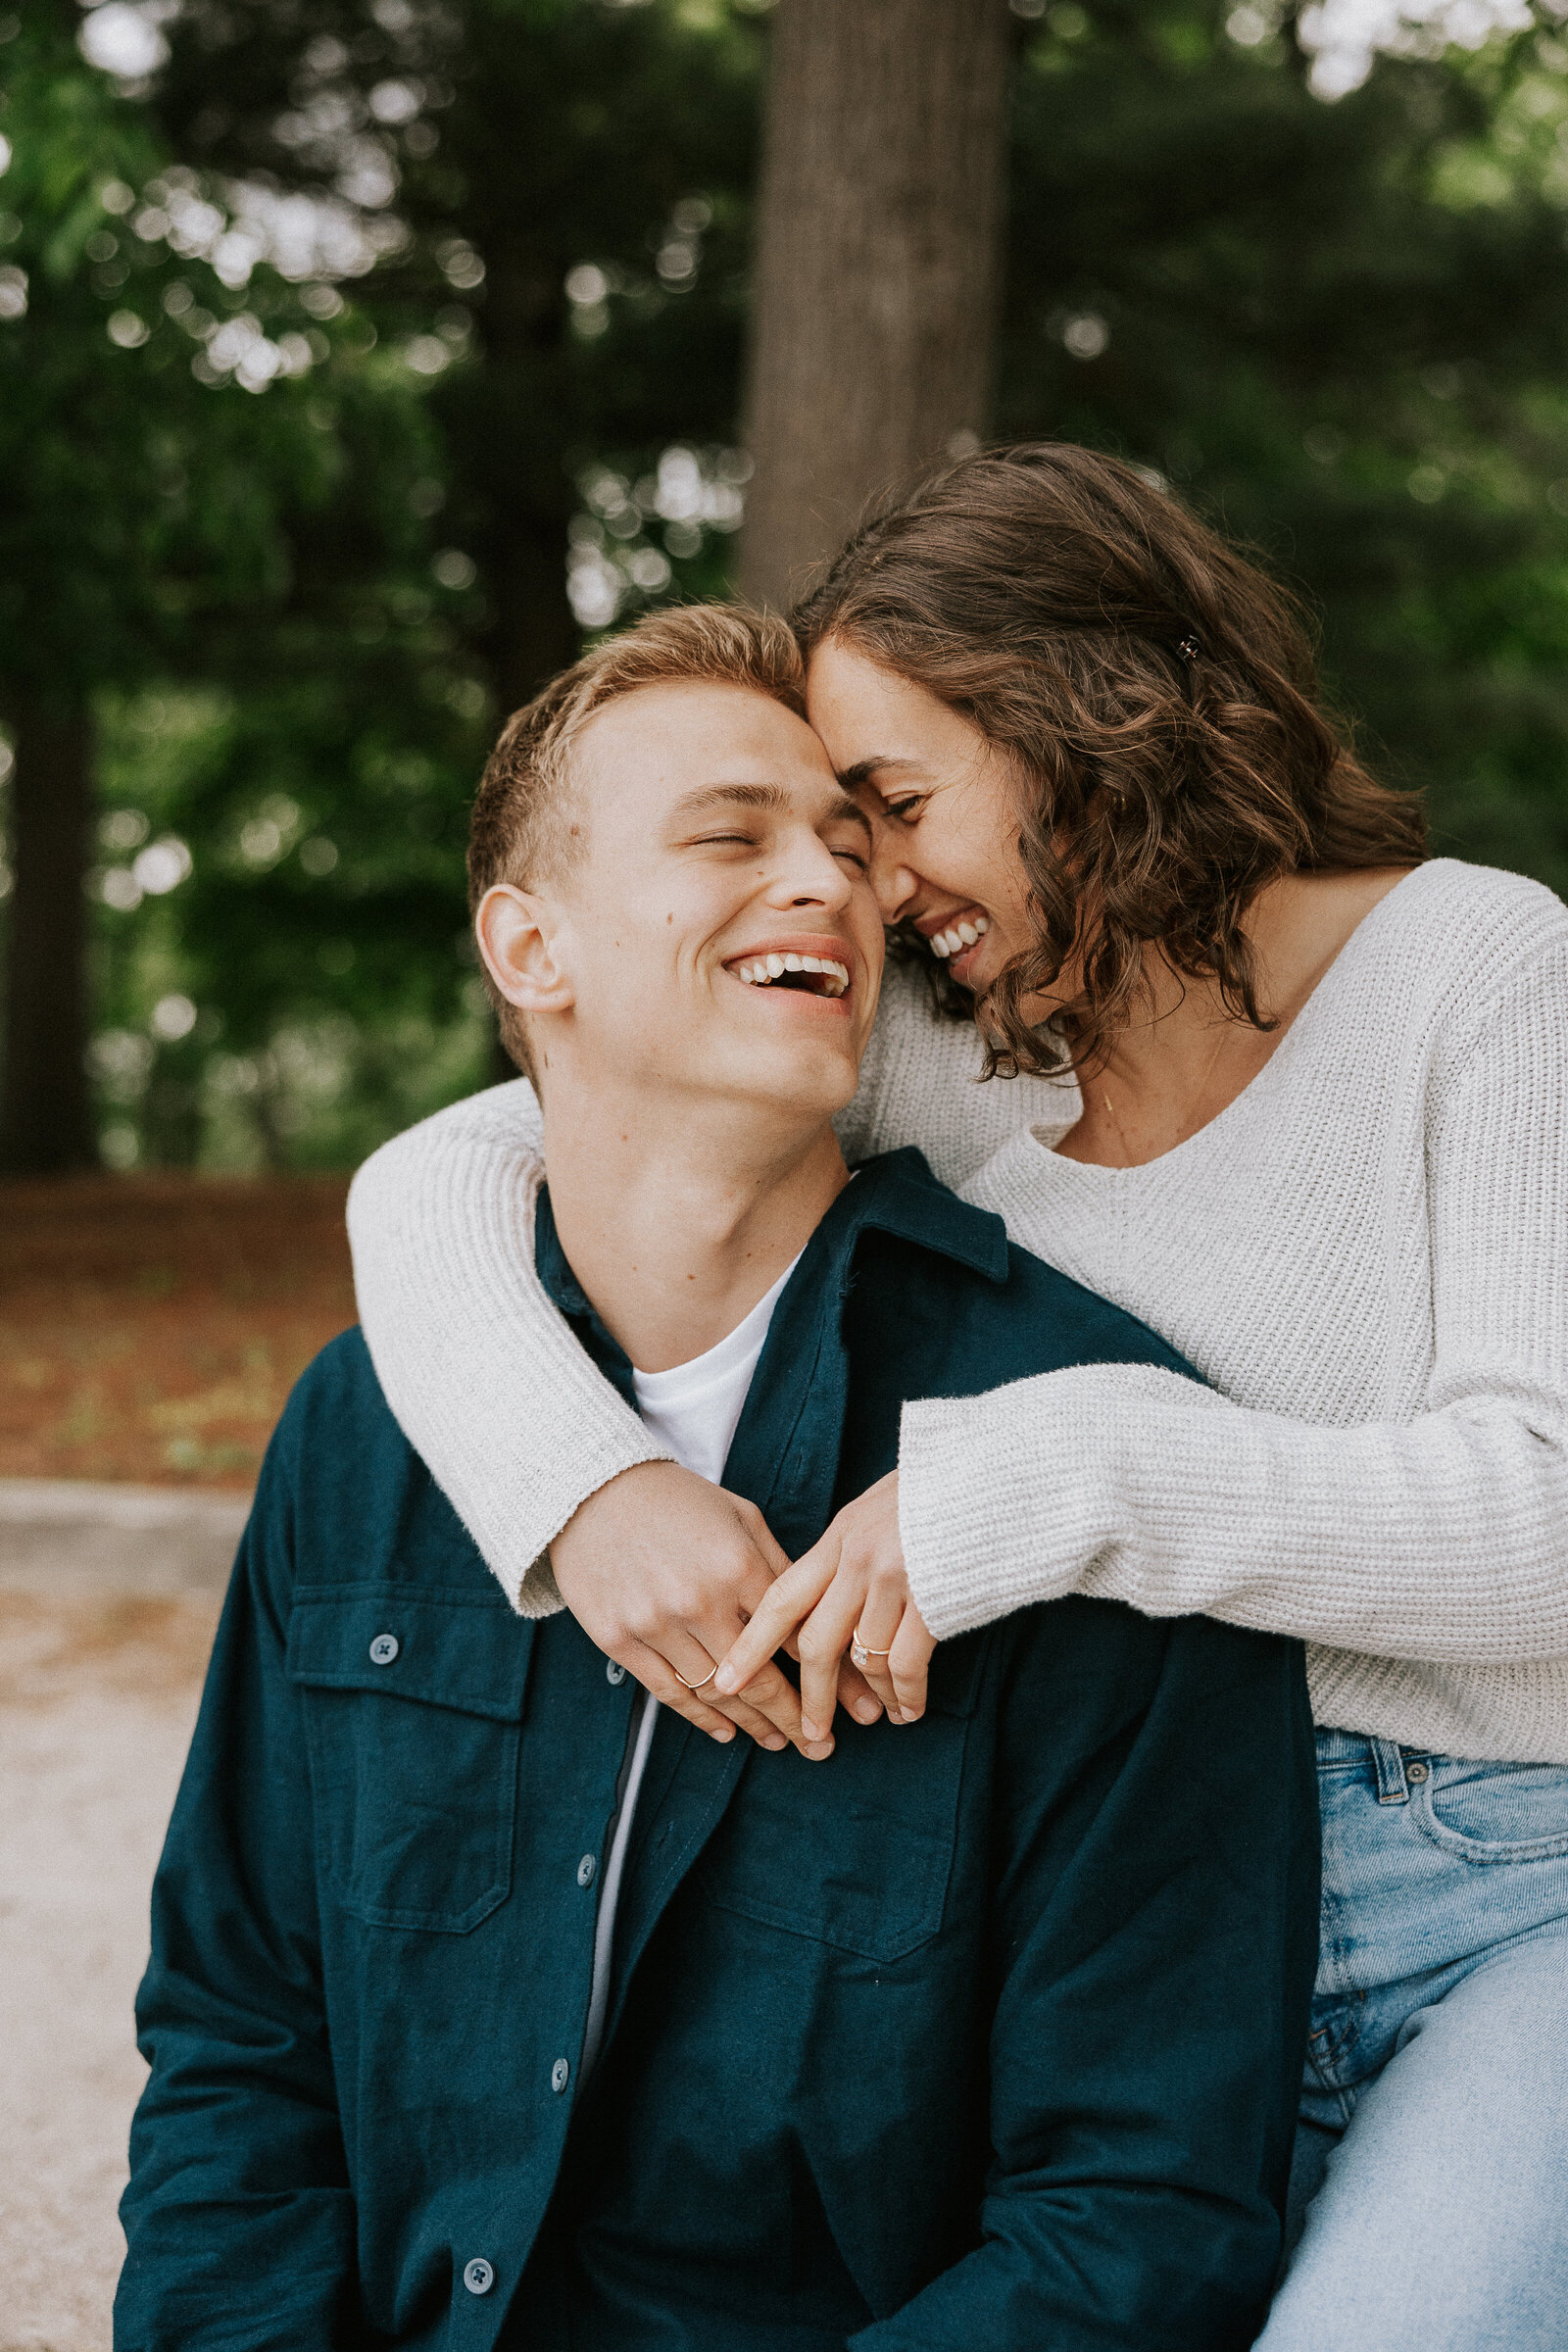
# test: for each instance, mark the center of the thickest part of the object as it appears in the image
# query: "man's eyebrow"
(771, 799)
(848, 811)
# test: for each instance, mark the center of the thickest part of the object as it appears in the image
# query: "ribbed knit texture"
(1366, 1255)
(485, 1378)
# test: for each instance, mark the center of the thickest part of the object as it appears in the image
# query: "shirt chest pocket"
(857, 1853)
(413, 1709)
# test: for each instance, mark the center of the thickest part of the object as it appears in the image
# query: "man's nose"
(812, 876)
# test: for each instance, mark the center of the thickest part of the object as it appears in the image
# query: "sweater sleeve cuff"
(1019, 1496)
(537, 1594)
(958, 1484)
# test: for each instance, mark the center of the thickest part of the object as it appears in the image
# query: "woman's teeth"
(960, 936)
(763, 969)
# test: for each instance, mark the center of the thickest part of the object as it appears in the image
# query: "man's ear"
(518, 939)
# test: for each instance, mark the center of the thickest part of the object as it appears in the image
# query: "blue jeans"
(1429, 2191)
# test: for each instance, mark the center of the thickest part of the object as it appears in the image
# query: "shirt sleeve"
(1141, 2119)
(1441, 1538)
(488, 1383)
(240, 2221)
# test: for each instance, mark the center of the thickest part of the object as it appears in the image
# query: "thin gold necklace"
(1194, 1097)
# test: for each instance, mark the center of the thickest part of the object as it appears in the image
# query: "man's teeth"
(960, 936)
(764, 968)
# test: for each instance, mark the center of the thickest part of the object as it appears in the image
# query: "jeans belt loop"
(1388, 1762)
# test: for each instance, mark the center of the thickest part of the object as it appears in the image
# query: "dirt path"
(150, 1328)
(98, 1691)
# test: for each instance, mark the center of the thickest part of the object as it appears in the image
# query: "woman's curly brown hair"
(1157, 698)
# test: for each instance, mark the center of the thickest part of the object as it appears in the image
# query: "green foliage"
(528, 148)
(1343, 330)
(138, 513)
(534, 148)
(486, 259)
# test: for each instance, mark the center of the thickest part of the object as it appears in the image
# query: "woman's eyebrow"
(864, 769)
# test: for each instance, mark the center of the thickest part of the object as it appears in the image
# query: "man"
(490, 2004)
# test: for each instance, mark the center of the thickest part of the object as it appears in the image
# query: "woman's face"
(940, 797)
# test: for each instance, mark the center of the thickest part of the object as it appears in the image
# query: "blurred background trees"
(357, 361)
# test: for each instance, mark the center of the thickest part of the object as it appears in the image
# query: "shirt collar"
(563, 1289)
(898, 1193)
(785, 1452)
(895, 1193)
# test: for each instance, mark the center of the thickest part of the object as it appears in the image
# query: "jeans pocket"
(1489, 1812)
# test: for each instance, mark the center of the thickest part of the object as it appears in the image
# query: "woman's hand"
(852, 1582)
(662, 1571)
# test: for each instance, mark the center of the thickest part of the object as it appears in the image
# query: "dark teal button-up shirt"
(987, 2032)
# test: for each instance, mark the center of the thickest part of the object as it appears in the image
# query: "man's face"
(717, 934)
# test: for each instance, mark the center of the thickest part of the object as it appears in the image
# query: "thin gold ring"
(702, 1685)
(860, 1654)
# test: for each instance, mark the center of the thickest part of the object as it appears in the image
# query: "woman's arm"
(485, 1378)
(1445, 1538)
(554, 1476)
(470, 1350)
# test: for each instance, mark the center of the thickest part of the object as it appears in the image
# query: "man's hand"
(663, 1572)
(852, 1582)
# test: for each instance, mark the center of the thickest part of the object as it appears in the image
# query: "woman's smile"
(943, 806)
(954, 937)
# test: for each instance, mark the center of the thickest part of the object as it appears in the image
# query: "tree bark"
(46, 1121)
(878, 262)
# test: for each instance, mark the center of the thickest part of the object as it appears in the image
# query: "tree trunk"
(45, 1114)
(878, 262)
(531, 634)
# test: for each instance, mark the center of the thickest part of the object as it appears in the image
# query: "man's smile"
(804, 965)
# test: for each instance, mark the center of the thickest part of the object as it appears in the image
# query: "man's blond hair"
(520, 830)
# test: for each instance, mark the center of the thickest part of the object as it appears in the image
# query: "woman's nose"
(891, 880)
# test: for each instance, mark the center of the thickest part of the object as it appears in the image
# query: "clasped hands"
(683, 1584)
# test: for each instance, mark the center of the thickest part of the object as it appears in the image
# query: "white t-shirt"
(693, 1409)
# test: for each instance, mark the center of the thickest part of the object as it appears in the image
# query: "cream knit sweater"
(1366, 1255)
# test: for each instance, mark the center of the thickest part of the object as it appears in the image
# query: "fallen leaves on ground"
(151, 1327)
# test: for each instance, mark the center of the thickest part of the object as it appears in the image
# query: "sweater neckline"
(1287, 1049)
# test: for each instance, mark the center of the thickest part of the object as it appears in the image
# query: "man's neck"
(678, 1223)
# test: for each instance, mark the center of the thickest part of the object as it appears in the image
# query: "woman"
(1295, 1097)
